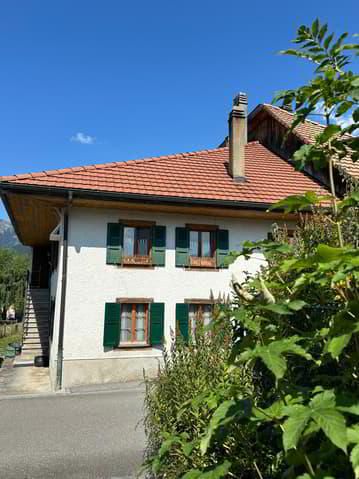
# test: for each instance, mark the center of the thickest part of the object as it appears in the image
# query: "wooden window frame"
(199, 261)
(136, 259)
(134, 343)
(199, 306)
(211, 302)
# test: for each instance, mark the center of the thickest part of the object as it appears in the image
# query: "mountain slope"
(8, 238)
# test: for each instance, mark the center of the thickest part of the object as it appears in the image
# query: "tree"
(13, 270)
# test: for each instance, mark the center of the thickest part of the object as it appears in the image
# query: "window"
(202, 247)
(199, 314)
(137, 241)
(201, 244)
(134, 324)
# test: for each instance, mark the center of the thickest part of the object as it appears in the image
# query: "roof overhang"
(33, 209)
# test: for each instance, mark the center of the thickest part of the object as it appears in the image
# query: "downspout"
(60, 349)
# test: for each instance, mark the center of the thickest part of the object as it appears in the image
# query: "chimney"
(238, 136)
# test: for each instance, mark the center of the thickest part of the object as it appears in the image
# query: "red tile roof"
(201, 175)
(307, 132)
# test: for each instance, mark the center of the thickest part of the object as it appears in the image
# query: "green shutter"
(182, 247)
(157, 319)
(114, 243)
(159, 246)
(112, 325)
(182, 320)
(222, 248)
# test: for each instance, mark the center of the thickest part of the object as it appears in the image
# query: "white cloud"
(83, 139)
(343, 121)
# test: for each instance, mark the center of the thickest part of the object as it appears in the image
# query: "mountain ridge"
(8, 238)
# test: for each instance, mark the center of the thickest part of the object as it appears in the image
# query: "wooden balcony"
(202, 262)
(137, 260)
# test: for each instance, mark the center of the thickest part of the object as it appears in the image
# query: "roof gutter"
(60, 347)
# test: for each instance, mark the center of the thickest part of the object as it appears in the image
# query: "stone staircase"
(36, 323)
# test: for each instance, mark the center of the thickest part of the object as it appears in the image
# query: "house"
(126, 254)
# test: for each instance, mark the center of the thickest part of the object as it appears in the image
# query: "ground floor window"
(134, 324)
(199, 314)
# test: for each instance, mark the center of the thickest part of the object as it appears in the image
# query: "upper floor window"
(201, 246)
(201, 243)
(136, 241)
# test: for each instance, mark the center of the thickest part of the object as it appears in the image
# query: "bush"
(176, 414)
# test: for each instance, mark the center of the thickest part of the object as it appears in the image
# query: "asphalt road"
(97, 435)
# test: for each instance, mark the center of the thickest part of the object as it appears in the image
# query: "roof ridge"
(291, 113)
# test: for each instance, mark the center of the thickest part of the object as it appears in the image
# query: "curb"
(73, 393)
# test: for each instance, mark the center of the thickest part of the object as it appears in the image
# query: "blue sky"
(95, 81)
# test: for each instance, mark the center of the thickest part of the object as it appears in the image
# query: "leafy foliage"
(285, 402)
(13, 269)
(194, 384)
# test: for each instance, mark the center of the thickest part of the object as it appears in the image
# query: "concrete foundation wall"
(107, 371)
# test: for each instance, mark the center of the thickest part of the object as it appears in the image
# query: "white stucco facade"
(91, 283)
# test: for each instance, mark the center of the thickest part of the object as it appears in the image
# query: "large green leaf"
(329, 132)
(337, 344)
(279, 308)
(352, 409)
(354, 459)
(272, 354)
(294, 426)
(217, 473)
(351, 201)
(325, 413)
(224, 414)
(192, 474)
(273, 360)
(296, 305)
(327, 253)
(299, 202)
(353, 434)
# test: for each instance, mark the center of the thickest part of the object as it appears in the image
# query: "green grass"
(15, 338)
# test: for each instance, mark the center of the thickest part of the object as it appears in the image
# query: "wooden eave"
(34, 214)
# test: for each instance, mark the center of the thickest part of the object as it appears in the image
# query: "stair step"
(35, 336)
(36, 316)
(32, 340)
(36, 351)
(37, 306)
(36, 322)
(35, 327)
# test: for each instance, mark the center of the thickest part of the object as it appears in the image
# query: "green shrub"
(176, 414)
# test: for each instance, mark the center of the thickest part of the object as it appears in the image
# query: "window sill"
(202, 262)
(137, 261)
(133, 346)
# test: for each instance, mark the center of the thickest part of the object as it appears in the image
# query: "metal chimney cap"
(240, 99)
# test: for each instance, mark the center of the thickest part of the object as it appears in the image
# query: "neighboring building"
(125, 254)
(270, 124)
